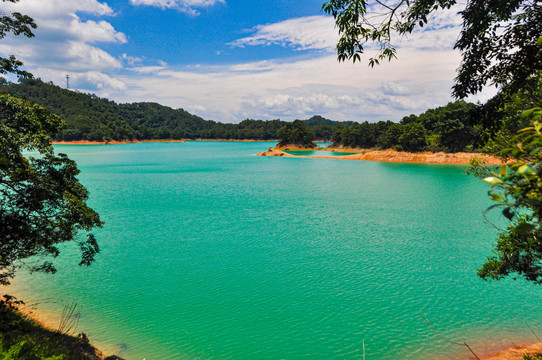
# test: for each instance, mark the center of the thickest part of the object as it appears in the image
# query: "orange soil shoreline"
(51, 321)
(514, 353)
(113, 142)
(116, 142)
(394, 156)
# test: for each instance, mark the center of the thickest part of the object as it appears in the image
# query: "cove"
(211, 252)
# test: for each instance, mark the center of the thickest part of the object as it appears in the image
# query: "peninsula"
(391, 155)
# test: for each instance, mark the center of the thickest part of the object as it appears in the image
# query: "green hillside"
(96, 119)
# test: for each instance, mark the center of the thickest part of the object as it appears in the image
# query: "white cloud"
(58, 21)
(300, 89)
(440, 33)
(131, 60)
(80, 56)
(312, 32)
(147, 69)
(51, 9)
(65, 44)
(320, 33)
(393, 88)
(91, 31)
(290, 88)
(83, 80)
(187, 6)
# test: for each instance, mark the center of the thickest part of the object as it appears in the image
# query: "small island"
(296, 136)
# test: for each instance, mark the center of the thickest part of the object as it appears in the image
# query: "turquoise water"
(319, 153)
(210, 252)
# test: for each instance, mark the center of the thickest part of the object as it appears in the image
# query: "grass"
(537, 356)
(24, 338)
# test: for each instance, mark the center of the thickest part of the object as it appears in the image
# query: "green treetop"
(296, 133)
(500, 45)
(42, 204)
(497, 40)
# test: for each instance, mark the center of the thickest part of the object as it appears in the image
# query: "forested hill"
(96, 119)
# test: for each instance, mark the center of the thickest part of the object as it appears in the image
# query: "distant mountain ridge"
(92, 118)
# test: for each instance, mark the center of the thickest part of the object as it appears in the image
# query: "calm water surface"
(318, 153)
(210, 252)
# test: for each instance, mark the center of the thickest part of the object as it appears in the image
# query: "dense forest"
(457, 126)
(96, 119)
(454, 127)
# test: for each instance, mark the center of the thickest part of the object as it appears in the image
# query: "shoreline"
(50, 321)
(391, 156)
(114, 142)
(514, 353)
(117, 142)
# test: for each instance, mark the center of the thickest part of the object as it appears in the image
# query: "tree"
(414, 137)
(497, 41)
(517, 189)
(42, 204)
(390, 138)
(296, 133)
(17, 24)
(501, 45)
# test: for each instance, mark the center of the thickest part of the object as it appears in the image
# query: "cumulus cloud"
(131, 60)
(394, 88)
(288, 89)
(65, 43)
(319, 32)
(441, 31)
(300, 89)
(90, 81)
(312, 32)
(91, 31)
(81, 56)
(187, 6)
(147, 69)
(52, 9)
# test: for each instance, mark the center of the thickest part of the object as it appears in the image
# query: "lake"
(318, 153)
(210, 252)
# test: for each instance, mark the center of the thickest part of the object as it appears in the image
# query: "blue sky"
(228, 60)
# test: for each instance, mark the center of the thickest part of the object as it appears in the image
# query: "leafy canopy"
(517, 190)
(42, 204)
(296, 133)
(501, 45)
(18, 24)
(497, 40)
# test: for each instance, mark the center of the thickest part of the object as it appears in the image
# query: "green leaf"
(525, 227)
(493, 180)
(539, 41)
(524, 169)
(496, 197)
(503, 171)
(516, 165)
(527, 113)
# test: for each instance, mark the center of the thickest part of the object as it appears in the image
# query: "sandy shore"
(51, 321)
(233, 140)
(396, 156)
(515, 353)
